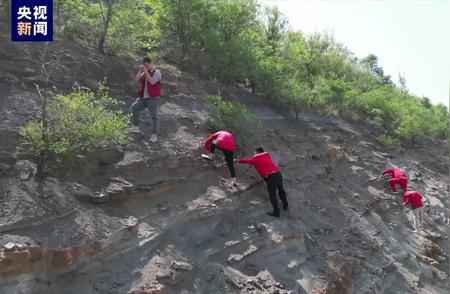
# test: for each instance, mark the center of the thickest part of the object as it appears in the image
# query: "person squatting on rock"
(224, 141)
(270, 172)
(397, 177)
(414, 198)
(149, 78)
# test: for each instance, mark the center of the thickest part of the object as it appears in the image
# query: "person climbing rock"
(270, 172)
(414, 198)
(224, 141)
(149, 78)
(397, 177)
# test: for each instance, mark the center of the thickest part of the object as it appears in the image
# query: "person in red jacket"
(270, 172)
(149, 78)
(414, 198)
(224, 141)
(397, 177)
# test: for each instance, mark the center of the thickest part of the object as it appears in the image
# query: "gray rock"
(402, 256)
(181, 265)
(10, 247)
(109, 155)
(79, 191)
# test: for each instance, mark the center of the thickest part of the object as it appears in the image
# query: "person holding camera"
(149, 78)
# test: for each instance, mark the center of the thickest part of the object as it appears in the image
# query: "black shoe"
(395, 191)
(275, 214)
(285, 205)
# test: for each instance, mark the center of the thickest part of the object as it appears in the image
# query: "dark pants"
(274, 182)
(152, 104)
(228, 158)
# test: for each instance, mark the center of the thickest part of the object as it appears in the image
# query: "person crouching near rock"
(398, 177)
(222, 140)
(270, 172)
(414, 198)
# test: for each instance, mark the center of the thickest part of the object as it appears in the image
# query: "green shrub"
(232, 116)
(77, 123)
(385, 140)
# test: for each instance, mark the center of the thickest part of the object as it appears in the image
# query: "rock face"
(19, 257)
(109, 155)
(155, 218)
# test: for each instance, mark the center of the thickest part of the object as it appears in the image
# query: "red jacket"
(263, 163)
(224, 140)
(153, 90)
(414, 198)
(395, 173)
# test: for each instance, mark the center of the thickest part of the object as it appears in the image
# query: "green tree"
(275, 26)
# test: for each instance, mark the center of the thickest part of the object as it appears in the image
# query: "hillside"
(160, 220)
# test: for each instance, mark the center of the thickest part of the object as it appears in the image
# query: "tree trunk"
(106, 21)
(58, 16)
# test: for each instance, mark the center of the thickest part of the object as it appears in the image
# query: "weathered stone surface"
(61, 258)
(16, 259)
(79, 191)
(109, 155)
(9, 247)
(118, 189)
(402, 256)
(99, 198)
(181, 265)
(150, 289)
(25, 169)
(36, 253)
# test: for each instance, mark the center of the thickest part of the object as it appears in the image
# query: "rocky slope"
(159, 220)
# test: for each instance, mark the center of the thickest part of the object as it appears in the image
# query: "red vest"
(153, 90)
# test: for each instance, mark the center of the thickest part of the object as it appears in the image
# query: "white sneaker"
(154, 138)
(233, 182)
(134, 129)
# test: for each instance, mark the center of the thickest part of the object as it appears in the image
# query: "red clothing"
(397, 177)
(394, 181)
(224, 140)
(153, 90)
(395, 173)
(263, 163)
(414, 198)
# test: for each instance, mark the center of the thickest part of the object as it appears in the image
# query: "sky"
(409, 37)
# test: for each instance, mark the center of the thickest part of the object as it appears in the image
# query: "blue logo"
(32, 20)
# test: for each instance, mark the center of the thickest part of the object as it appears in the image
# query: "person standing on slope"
(224, 141)
(149, 94)
(397, 177)
(270, 172)
(414, 198)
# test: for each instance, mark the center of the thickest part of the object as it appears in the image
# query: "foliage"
(232, 116)
(78, 123)
(241, 41)
(132, 26)
(385, 140)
